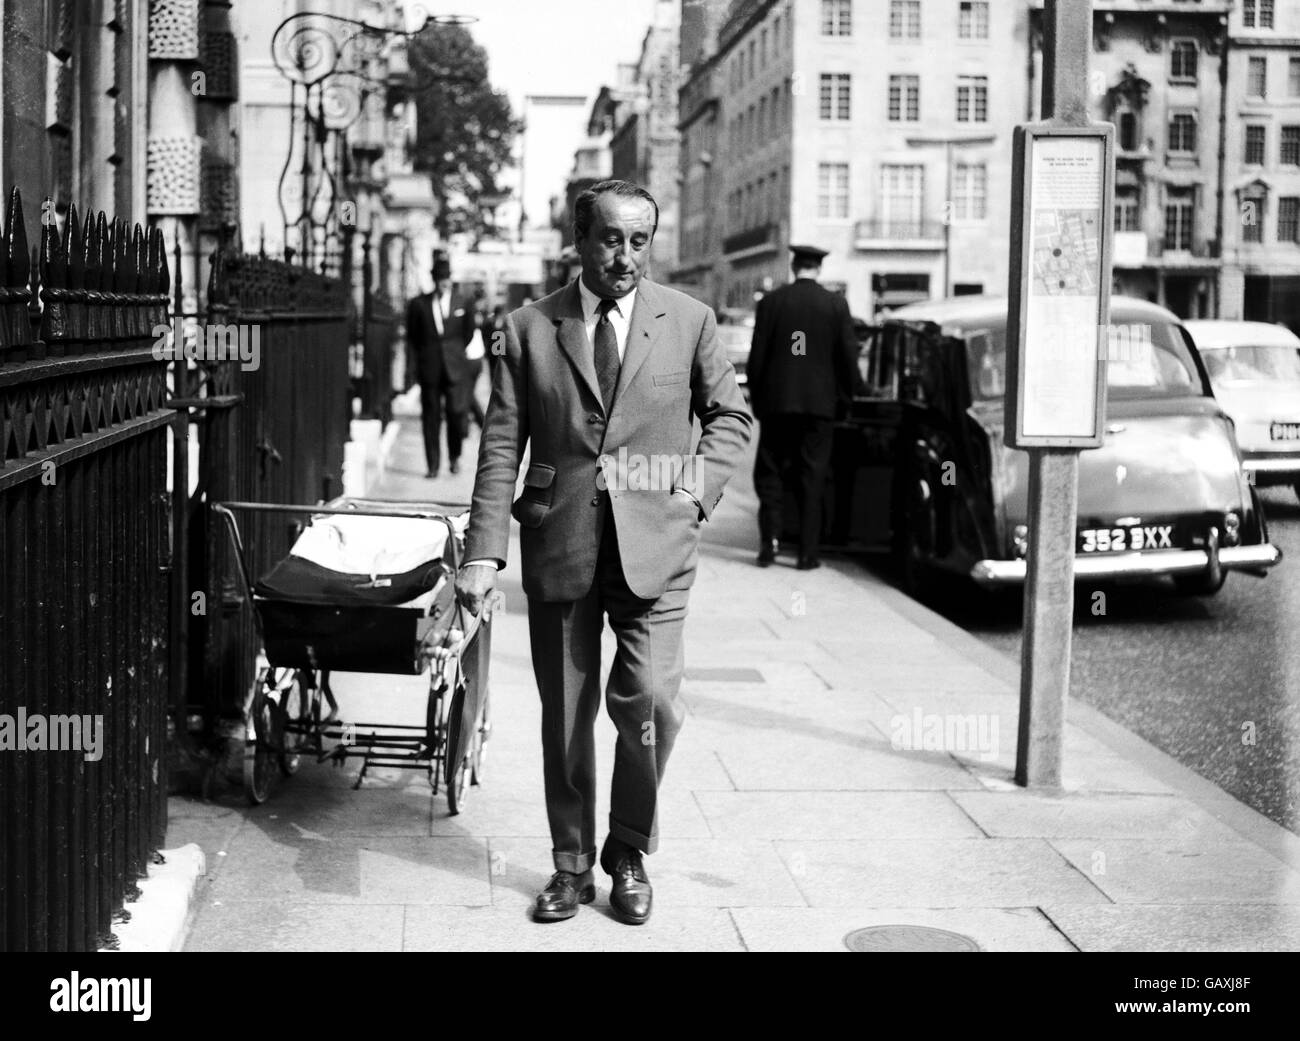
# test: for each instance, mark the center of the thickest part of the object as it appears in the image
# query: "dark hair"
(585, 204)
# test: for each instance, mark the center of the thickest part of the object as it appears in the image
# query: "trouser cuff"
(574, 862)
(645, 843)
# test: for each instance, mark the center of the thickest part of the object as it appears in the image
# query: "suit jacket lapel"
(641, 335)
(572, 337)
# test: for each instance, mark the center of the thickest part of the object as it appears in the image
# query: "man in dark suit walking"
(602, 379)
(801, 366)
(439, 326)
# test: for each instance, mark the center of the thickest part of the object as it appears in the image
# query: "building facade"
(1261, 185)
(882, 132)
(1157, 71)
(878, 131)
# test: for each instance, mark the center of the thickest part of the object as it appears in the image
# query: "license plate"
(1127, 537)
(1280, 431)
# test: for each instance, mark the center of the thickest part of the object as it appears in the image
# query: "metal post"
(1053, 472)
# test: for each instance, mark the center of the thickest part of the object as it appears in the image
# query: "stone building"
(1261, 175)
(1156, 72)
(878, 131)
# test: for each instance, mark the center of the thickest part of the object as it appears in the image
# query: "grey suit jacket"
(545, 392)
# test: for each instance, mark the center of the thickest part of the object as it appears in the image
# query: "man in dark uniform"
(439, 326)
(800, 369)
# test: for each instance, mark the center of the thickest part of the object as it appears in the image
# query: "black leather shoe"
(562, 895)
(808, 564)
(767, 555)
(631, 895)
(455, 467)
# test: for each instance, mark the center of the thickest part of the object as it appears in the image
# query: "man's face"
(442, 286)
(616, 249)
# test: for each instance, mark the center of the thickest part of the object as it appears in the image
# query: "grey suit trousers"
(641, 697)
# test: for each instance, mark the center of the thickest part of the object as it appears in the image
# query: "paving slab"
(291, 927)
(1158, 928)
(834, 815)
(1147, 871)
(1022, 814)
(935, 873)
(508, 928)
(312, 867)
(813, 929)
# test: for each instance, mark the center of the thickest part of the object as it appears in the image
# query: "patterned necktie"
(606, 345)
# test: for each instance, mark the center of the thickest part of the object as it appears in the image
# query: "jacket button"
(595, 500)
(593, 418)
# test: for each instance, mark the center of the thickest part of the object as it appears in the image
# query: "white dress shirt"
(441, 306)
(620, 315)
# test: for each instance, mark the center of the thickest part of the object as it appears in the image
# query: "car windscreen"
(1251, 363)
(1145, 360)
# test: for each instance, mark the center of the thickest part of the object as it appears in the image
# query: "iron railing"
(270, 432)
(85, 591)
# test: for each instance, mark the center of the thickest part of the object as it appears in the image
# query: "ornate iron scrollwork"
(330, 63)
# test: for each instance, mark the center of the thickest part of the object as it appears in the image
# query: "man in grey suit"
(602, 379)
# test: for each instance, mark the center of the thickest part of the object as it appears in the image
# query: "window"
(1293, 78)
(1257, 14)
(902, 200)
(762, 50)
(835, 95)
(1128, 209)
(1252, 216)
(1256, 77)
(837, 17)
(1128, 132)
(1290, 152)
(972, 99)
(1288, 219)
(1182, 60)
(1179, 210)
(904, 19)
(1255, 145)
(904, 98)
(774, 107)
(832, 191)
(969, 191)
(1182, 132)
(973, 20)
(763, 131)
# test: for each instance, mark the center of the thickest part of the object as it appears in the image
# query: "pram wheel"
(480, 742)
(296, 716)
(264, 744)
(458, 773)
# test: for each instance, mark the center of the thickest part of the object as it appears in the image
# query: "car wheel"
(1198, 585)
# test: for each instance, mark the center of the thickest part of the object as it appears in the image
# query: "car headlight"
(1231, 528)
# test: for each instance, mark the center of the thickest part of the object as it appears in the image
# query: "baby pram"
(368, 586)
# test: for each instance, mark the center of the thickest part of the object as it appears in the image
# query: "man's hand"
(474, 583)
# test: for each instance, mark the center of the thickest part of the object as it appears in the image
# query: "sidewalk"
(789, 819)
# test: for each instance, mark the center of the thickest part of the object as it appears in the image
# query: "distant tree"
(464, 129)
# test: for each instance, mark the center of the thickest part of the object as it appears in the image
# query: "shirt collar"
(590, 301)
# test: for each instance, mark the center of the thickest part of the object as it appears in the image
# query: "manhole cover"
(883, 939)
(725, 675)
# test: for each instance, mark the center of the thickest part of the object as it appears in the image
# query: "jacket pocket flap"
(665, 379)
(539, 475)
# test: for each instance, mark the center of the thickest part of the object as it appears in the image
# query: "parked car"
(921, 467)
(1255, 370)
(736, 333)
